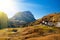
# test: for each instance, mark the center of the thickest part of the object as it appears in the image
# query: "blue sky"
(39, 8)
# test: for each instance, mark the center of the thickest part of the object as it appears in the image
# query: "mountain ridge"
(48, 20)
(22, 18)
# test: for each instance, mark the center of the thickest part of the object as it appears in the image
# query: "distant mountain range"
(21, 19)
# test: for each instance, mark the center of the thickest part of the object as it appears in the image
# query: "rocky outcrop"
(49, 20)
(21, 18)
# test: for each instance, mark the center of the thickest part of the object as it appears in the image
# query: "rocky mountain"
(21, 18)
(50, 20)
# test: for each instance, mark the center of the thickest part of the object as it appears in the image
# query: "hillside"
(33, 32)
(51, 20)
(3, 34)
(37, 32)
(49, 37)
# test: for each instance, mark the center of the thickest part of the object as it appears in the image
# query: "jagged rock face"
(21, 18)
(52, 17)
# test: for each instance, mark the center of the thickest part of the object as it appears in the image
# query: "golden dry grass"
(28, 33)
(38, 32)
(49, 37)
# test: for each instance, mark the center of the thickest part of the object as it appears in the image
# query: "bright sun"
(4, 4)
(7, 6)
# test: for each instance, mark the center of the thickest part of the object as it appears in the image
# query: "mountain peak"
(23, 17)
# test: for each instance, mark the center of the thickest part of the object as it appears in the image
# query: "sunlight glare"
(7, 6)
